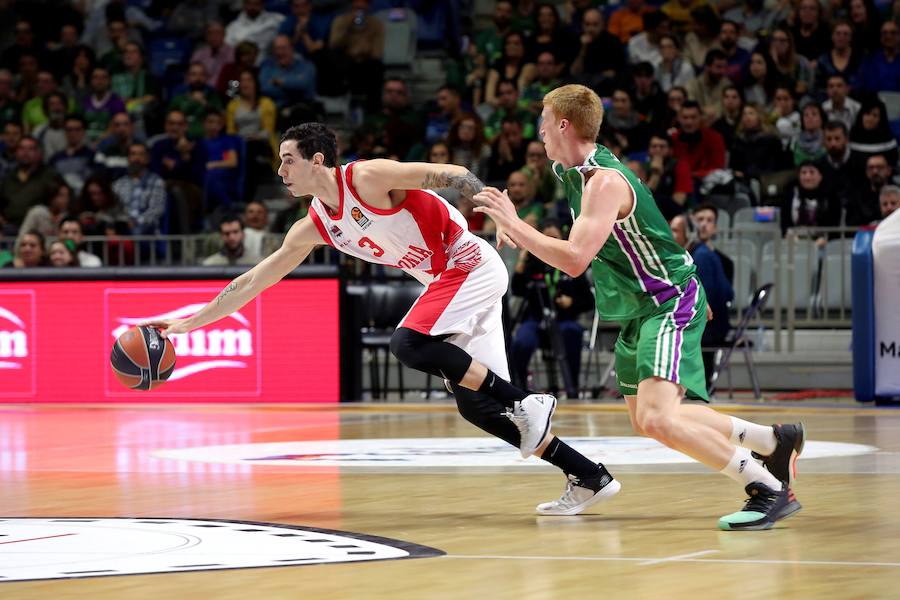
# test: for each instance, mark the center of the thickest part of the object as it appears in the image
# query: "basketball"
(142, 359)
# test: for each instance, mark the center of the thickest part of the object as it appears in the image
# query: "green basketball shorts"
(666, 344)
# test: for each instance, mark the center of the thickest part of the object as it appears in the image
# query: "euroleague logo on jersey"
(223, 356)
(362, 220)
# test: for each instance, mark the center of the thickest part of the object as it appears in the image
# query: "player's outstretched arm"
(381, 175)
(605, 195)
(298, 243)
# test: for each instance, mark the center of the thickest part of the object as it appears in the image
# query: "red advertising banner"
(55, 340)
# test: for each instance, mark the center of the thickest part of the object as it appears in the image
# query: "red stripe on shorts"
(431, 305)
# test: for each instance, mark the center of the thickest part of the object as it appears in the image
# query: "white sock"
(759, 438)
(744, 469)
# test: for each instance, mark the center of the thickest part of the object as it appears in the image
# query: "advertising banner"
(284, 346)
(886, 257)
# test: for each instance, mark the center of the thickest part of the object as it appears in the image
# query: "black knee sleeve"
(486, 413)
(430, 354)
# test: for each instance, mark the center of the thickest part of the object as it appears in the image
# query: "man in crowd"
(30, 183)
(70, 229)
(142, 192)
(75, 162)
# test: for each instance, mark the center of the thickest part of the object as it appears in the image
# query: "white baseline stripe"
(678, 557)
(811, 563)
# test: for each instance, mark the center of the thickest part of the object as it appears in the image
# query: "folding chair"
(738, 340)
(385, 305)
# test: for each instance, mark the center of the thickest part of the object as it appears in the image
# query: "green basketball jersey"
(640, 266)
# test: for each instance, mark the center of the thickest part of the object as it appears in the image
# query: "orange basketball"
(142, 359)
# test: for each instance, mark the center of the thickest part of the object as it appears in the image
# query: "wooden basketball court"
(656, 539)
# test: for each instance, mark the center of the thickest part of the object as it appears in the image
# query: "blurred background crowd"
(124, 117)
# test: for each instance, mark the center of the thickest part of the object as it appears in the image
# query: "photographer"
(538, 284)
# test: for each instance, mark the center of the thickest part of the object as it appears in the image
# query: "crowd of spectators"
(154, 116)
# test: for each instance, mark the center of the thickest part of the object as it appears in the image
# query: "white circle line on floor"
(454, 452)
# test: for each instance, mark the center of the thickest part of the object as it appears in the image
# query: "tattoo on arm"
(230, 288)
(467, 185)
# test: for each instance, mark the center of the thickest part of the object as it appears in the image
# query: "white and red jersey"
(424, 235)
(463, 275)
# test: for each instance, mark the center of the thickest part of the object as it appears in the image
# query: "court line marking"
(677, 557)
(749, 561)
(198, 438)
(46, 537)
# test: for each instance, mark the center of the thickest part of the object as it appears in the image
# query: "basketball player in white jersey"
(377, 210)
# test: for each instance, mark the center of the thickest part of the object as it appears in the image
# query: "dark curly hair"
(312, 138)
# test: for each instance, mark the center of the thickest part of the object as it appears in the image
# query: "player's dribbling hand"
(709, 313)
(167, 328)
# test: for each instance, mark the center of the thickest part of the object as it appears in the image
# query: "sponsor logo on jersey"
(79, 547)
(16, 343)
(340, 240)
(414, 257)
(362, 220)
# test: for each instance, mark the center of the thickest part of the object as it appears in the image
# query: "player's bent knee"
(657, 426)
(406, 345)
(430, 354)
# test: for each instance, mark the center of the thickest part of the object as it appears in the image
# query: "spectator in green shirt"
(196, 97)
(508, 105)
(547, 70)
(33, 110)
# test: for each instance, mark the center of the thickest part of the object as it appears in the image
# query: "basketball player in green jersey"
(647, 283)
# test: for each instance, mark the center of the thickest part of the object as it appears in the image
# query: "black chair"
(738, 340)
(385, 304)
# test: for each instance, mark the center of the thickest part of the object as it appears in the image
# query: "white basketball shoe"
(581, 494)
(532, 416)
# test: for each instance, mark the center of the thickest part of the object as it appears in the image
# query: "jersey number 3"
(377, 250)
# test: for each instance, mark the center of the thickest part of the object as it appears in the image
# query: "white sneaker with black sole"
(581, 494)
(532, 416)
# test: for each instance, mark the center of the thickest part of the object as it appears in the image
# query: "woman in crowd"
(793, 68)
(77, 83)
(513, 64)
(252, 117)
(245, 55)
(98, 206)
(549, 37)
(756, 150)
(866, 23)
(809, 144)
(62, 254)
(674, 70)
(675, 99)
(45, 219)
(760, 80)
(810, 203)
(785, 115)
(625, 124)
(871, 133)
(468, 146)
